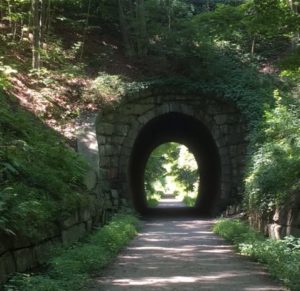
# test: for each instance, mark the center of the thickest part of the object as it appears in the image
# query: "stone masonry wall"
(18, 254)
(118, 128)
(282, 221)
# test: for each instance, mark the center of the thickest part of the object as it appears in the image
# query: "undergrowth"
(282, 257)
(41, 179)
(71, 268)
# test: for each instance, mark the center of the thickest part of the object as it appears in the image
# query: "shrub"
(274, 167)
(282, 257)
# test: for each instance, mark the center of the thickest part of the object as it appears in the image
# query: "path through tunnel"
(183, 129)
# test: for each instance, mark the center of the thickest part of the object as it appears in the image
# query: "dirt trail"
(181, 255)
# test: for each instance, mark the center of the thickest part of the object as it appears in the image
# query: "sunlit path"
(170, 203)
(182, 255)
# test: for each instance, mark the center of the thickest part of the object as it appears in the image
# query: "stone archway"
(212, 127)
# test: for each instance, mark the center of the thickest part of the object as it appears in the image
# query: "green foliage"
(263, 27)
(274, 167)
(72, 267)
(171, 169)
(106, 89)
(40, 177)
(282, 257)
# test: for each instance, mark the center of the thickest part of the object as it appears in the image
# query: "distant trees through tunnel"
(171, 176)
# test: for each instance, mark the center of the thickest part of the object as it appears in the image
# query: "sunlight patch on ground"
(159, 281)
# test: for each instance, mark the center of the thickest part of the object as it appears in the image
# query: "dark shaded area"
(180, 128)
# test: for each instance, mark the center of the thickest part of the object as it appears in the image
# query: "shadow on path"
(180, 255)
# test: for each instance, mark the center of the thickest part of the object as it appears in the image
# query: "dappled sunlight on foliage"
(273, 175)
(171, 170)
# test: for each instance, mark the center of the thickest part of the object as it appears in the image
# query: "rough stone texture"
(7, 266)
(117, 132)
(18, 253)
(73, 219)
(25, 259)
(73, 233)
(283, 222)
(42, 250)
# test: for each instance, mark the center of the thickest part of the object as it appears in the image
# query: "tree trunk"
(169, 12)
(141, 34)
(296, 34)
(124, 30)
(36, 42)
(85, 29)
(9, 13)
(253, 45)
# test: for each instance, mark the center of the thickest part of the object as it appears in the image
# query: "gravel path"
(182, 255)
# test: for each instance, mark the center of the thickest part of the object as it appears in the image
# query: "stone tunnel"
(212, 128)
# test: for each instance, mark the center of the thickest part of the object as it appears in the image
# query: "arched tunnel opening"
(183, 129)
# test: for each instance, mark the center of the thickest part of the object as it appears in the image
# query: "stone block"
(121, 130)
(73, 233)
(140, 109)
(101, 139)
(7, 266)
(73, 219)
(42, 251)
(91, 179)
(85, 214)
(89, 225)
(106, 128)
(3, 248)
(118, 139)
(104, 161)
(221, 119)
(25, 259)
(6, 242)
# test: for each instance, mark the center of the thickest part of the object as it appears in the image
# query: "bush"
(274, 168)
(71, 267)
(282, 257)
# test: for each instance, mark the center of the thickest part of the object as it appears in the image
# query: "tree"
(37, 32)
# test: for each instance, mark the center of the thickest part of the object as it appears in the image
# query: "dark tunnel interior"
(180, 128)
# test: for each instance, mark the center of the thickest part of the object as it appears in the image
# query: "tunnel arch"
(124, 146)
(187, 130)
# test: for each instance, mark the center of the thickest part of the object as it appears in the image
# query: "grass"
(71, 268)
(282, 257)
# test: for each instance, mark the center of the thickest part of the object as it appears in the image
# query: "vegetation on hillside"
(40, 177)
(282, 257)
